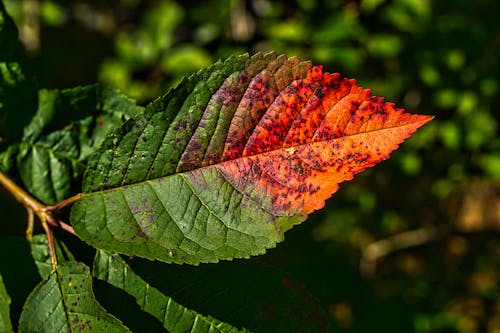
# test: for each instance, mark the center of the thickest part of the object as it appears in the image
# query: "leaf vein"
(330, 110)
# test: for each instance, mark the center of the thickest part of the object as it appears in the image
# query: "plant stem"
(43, 212)
(21, 195)
(379, 249)
(64, 203)
(31, 222)
(52, 248)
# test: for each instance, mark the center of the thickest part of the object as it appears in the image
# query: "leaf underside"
(223, 165)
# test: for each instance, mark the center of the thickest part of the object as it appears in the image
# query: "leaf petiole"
(31, 222)
(64, 203)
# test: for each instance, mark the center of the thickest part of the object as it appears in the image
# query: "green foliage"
(173, 316)
(68, 304)
(5, 325)
(247, 293)
(68, 126)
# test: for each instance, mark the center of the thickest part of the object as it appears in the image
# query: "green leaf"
(69, 125)
(173, 316)
(41, 254)
(9, 44)
(222, 166)
(5, 324)
(65, 302)
(8, 158)
(149, 147)
(245, 293)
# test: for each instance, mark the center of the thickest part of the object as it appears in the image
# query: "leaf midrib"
(248, 156)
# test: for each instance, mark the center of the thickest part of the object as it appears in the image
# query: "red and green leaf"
(223, 165)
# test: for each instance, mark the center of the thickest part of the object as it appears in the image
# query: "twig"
(44, 213)
(58, 223)
(379, 249)
(50, 240)
(31, 222)
(64, 203)
(21, 195)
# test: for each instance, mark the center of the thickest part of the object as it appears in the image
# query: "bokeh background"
(410, 246)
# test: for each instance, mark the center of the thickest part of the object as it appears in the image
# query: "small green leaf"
(65, 302)
(69, 125)
(173, 316)
(5, 324)
(41, 254)
(8, 157)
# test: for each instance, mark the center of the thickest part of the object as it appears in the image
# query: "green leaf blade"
(69, 125)
(173, 316)
(39, 247)
(5, 323)
(246, 293)
(174, 219)
(65, 302)
(40, 252)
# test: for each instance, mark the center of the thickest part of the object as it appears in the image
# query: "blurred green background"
(410, 246)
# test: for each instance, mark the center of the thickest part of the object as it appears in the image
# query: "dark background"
(435, 202)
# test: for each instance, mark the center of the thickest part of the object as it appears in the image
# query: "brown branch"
(31, 223)
(21, 195)
(52, 247)
(64, 203)
(44, 213)
(379, 249)
(58, 223)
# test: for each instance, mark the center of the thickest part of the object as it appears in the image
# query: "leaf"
(173, 316)
(69, 125)
(5, 324)
(8, 158)
(223, 165)
(245, 293)
(41, 254)
(65, 302)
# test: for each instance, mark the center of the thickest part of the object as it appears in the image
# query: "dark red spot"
(286, 282)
